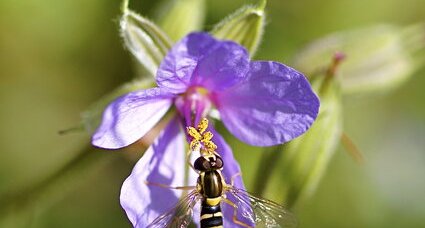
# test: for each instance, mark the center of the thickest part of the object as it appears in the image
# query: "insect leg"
(232, 179)
(235, 218)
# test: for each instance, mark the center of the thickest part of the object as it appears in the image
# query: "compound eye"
(202, 164)
(218, 163)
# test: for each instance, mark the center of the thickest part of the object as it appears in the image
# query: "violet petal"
(130, 117)
(231, 166)
(201, 60)
(226, 64)
(176, 70)
(274, 105)
(162, 163)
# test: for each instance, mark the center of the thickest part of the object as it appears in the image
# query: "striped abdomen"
(211, 216)
(212, 189)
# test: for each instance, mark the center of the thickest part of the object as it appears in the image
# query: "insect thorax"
(211, 184)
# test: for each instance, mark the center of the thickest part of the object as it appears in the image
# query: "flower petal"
(231, 170)
(274, 105)
(130, 117)
(176, 70)
(226, 64)
(160, 164)
(200, 59)
(231, 166)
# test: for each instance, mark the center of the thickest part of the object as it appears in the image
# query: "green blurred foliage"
(190, 14)
(58, 57)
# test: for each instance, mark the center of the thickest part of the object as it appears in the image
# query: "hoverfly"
(212, 192)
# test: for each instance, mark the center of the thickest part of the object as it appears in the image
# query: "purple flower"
(262, 103)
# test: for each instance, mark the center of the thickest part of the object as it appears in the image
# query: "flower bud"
(145, 40)
(245, 26)
(379, 58)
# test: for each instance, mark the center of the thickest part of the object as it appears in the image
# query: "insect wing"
(264, 213)
(180, 216)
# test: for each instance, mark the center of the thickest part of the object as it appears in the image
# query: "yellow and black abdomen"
(212, 190)
(211, 216)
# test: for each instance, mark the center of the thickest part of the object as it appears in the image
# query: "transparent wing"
(180, 216)
(264, 213)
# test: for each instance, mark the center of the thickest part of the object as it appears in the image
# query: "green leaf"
(245, 26)
(91, 118)
(180, 17)
(145, 40)
(301, 163)
(379, 58)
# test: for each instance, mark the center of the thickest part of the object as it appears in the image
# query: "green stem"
(267, 166)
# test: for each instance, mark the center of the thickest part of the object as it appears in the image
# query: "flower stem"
(267, 166)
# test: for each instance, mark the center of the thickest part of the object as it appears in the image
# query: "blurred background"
(58, 57)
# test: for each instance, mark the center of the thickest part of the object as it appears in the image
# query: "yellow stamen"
(209, 145)
(203, 125)
(195, 145)
(207, 136)
(200, 137)
(194, 133)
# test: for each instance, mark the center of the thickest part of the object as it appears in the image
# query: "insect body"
(211, 186)
(212, 192)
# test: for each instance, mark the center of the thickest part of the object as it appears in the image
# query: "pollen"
(194, 133)
(201, 139)
(207, 136)
(203, 125)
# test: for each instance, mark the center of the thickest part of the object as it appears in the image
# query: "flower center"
(193, 105)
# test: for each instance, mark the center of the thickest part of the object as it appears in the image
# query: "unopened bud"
(245, 26)
(145, 40)
(378, 58)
